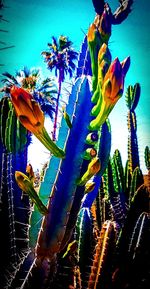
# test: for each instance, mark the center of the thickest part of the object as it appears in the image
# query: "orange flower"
(93, 168)
(27, 109)
(113, 83)
(112, 90)
(31, 116)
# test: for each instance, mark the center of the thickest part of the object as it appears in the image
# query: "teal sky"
(33, 23)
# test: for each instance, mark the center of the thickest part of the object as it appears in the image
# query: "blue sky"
(33, 23)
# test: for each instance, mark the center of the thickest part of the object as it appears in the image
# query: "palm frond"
(10, 78)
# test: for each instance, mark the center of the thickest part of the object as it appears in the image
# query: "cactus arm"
(147, 163)
(136, 95)
(136, 181)
(132, 142)
(132, 99)
(122, 11)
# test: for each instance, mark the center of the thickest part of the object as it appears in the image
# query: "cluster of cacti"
(89, 222)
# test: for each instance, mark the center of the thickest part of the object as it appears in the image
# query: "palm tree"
(60, 57)
(43, 91)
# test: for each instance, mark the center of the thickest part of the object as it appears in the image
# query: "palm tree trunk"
(57, 106)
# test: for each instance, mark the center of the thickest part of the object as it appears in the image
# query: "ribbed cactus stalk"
(127, 175)
(112, 189)
(14, 210)
(147, 163)
(100, 276)
(85, 239)
(136, 181)
(132, 245)
(138, 235)
(132, 99)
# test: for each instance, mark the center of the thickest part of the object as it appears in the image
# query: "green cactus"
(147, 163)
(102, 264)
(136, 181)
(132, 99)
(85, 239)
(130, 237)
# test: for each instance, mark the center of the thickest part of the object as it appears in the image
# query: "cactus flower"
(89, 187)
(93, 168)
(114, 79)
(26, 185)
(112, 90)
(31, 117)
